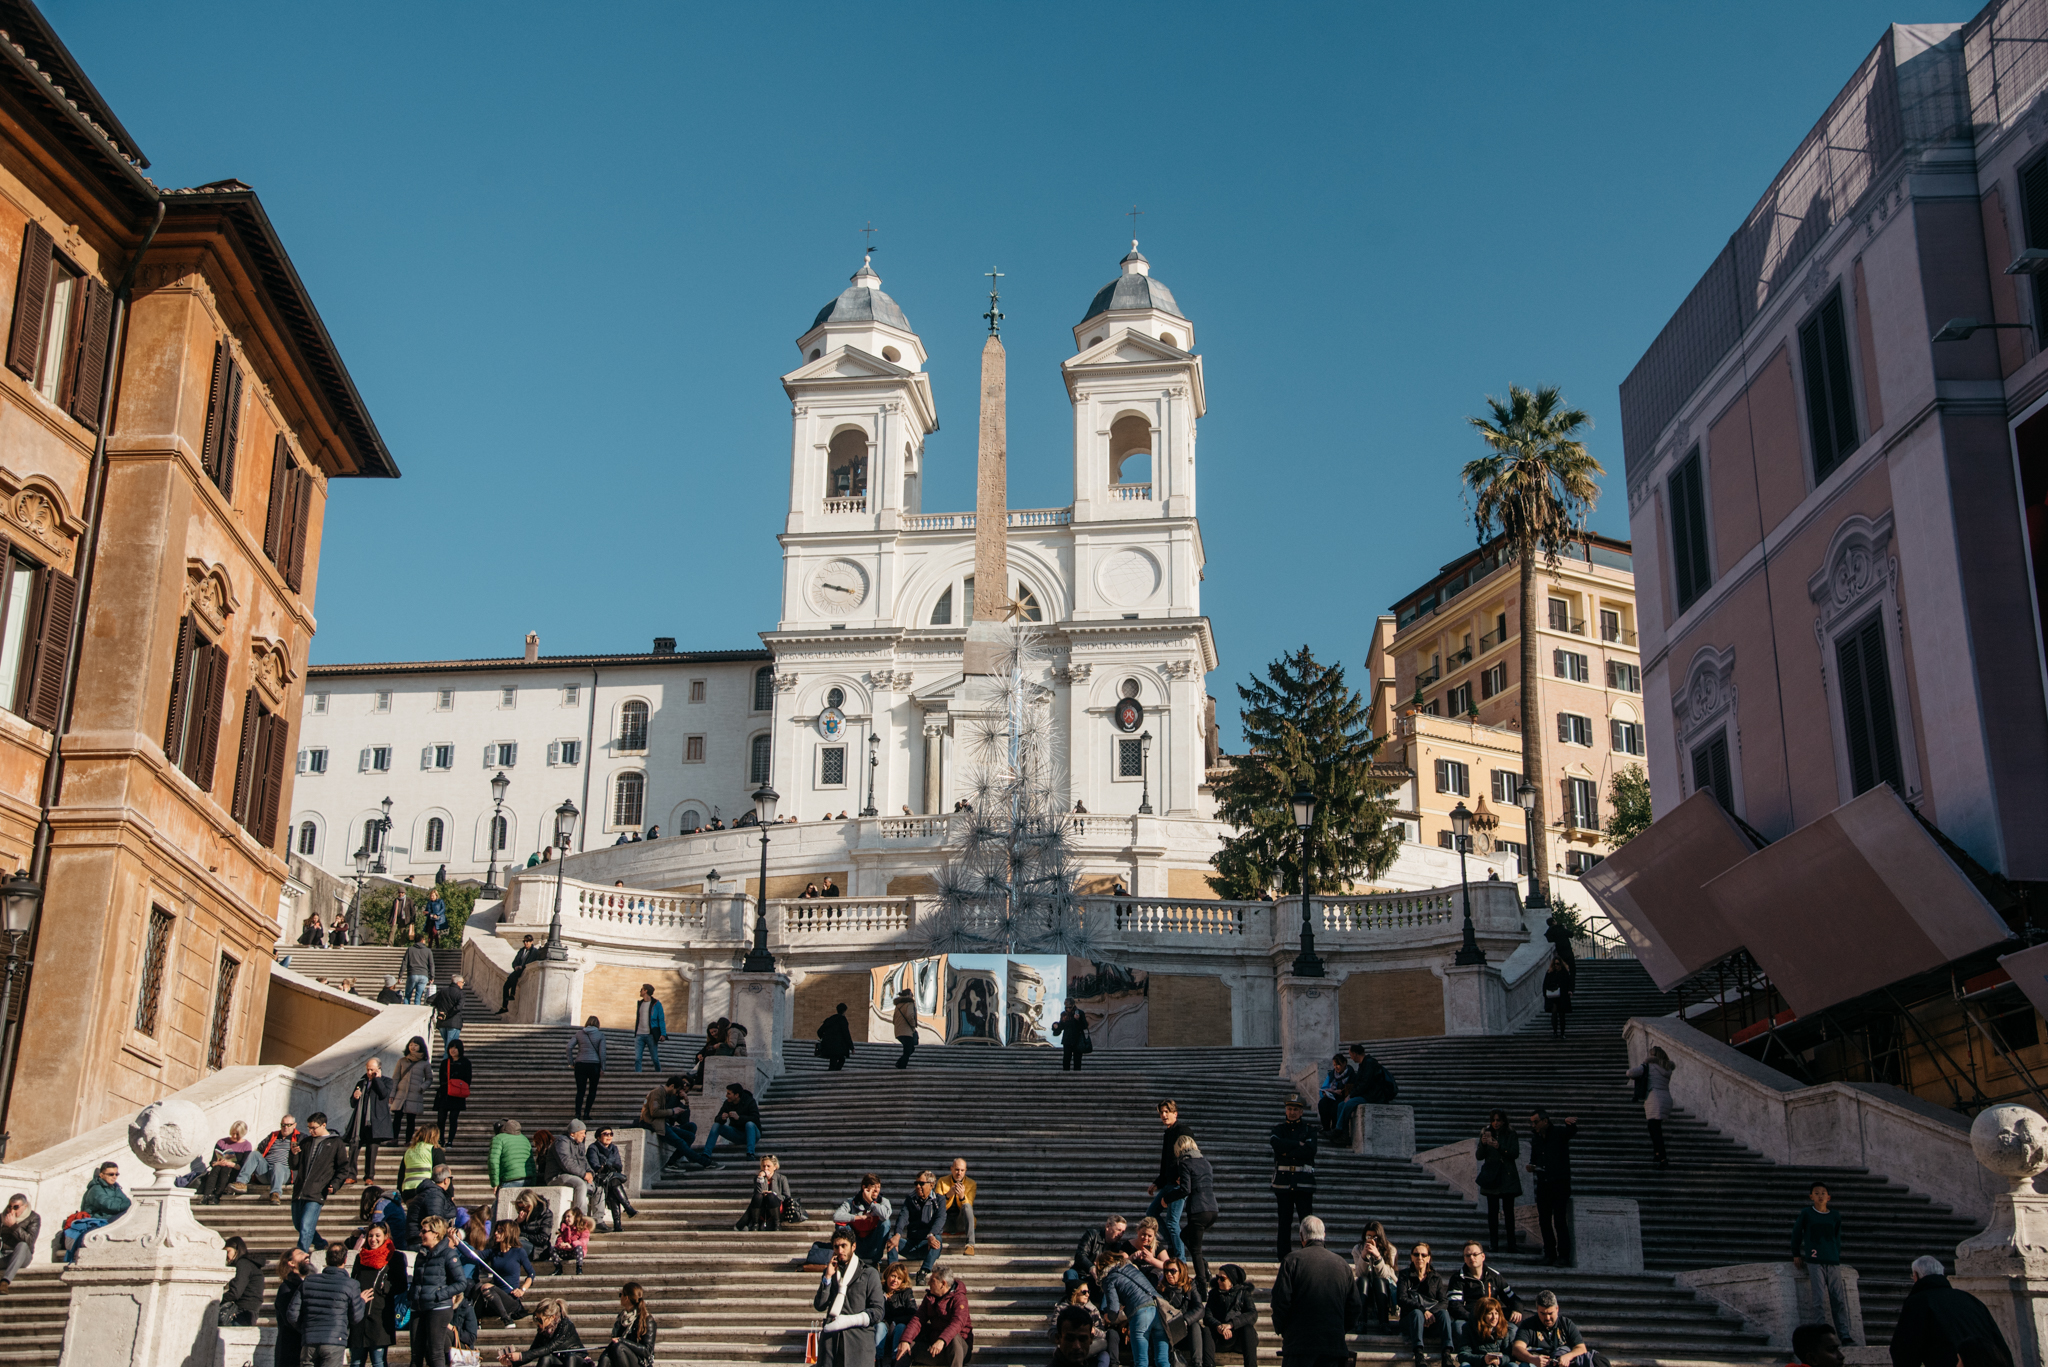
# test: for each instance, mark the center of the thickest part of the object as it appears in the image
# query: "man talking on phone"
(850, 1299)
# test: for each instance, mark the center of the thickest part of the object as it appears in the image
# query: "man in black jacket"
(447, 1004)
(1092, 1244)
(1294, 1171)
(323, 1164)
(1940, 1326)
(1424, 1299)
(1475, 1282)
(920, 1224)
(1166, 1209)
(322, 1308)
(1550, 1159)
(739, 1120)
(1315, 1302)
(526, 955)
(432, 1197)
(291, 1275)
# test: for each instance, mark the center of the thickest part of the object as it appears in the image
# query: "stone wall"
(1188, 1009)
(1394, 1004)
(300, 1019)
(611, 992)
(1193, 883)
(817, 994)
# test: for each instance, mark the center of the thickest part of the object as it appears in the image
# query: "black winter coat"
(1315, 1303)
(323, 1306)
(1557, 982)
(835, 1037)
(1235, 1307)
(1198, 1179)
(562, 1341)
(638, 1345)
(245, 1287)
(1939, 1325)
(435, 1277)
(369, 1117)
(1467, 1292)
(1551, 1156)
(387, 1286)
(287, 1333)
(321, 1167)
(1167, 1161)
(1498, 1174)
(1422, 1293)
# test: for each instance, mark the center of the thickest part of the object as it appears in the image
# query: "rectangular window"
(156, 958)
(1868, 724)
(1578, 861)
(379, 759)
(1505, 781)
(444, 757)
(693, 749)
(1446, 840)
(1130, 758)
(1830, 405)
(764, 691)
(1610, 625)
(444, 700)
(1689, 575)
(1433, 708)
(223, 419)
(60, 315)
(1625, 677)
(199, 684)
(629, 800)
(567, 753)
(286, 522)
(1458, 701)
(17, 613)
(1560, 615)
(508, 696)
(223, 1013)
(1711, 772)
(1574, 729)
(758, 759)
(381, 701)
(1453, 777)
(319, 704)
(501, 754)
(1516, 848)
(832, 766)
(1570, 664)
(696, 690)
(1582, 804)
(572, 695)
(313, 761)
(1628, 737)
(1494, 680)
(259, 770)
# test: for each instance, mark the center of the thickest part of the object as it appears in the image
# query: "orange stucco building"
(171, 411)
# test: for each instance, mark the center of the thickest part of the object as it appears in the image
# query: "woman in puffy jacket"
(1126, 1292)
(1195, 1180)
(1230, 1321)
(435, 1281)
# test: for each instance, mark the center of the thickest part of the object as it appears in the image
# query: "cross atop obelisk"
(987, 639)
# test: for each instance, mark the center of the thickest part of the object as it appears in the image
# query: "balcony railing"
(1490, 640)
(1620, 635)
(1459, 657)
(1428, 677)
(858, 503)
(1576, 625)
(964, 522)
(1130, 493)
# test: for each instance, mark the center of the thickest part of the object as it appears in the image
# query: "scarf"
(846, 1276)
(374, 1257)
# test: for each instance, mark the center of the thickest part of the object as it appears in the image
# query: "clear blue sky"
(566, 251)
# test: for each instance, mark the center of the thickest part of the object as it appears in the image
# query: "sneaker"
(239, 1188)
(968, 1251)
(276, 1198)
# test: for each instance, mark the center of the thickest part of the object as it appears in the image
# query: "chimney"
(664, 645)
(532, 646)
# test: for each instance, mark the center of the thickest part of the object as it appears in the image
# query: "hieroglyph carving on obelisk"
(987, 637)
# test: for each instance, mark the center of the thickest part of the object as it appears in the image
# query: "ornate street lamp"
(1145, 773)
(499, 784)
(355, 908)
(565, 831)
(1525, 798)
(874, 760)
(1306, 963)
(383, 837)
(758, 959)
(1461, 827)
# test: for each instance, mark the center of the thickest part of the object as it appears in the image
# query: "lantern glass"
(1461, 820)
(565, 824)
(1304, 804)
(764, 805)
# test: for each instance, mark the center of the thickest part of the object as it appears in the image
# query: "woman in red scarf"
(380, 1271)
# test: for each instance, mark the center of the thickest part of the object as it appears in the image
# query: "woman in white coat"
(409, 1086)
(1653, 1083)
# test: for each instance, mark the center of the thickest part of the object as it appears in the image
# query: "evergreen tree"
(1628, 805)
(1302, 722)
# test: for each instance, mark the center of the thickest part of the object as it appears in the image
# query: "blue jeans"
(416, 990)
(306, 1219)
(751, 1138)
(256, 1165)
(373, 1356)
(1414, 1333)
(1829, 1295)
(449, 1036)
(683, 1136)
(1149, 1346)
(1168, 1212)
(1344, 1117)
(649, 1047)
(912, 1245)
(886, 1339)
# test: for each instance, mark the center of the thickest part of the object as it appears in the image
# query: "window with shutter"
(554, 752)
(363, 764)
(1868, 725)
(427, 757)
(1443, 776)
(1711, 772)
(1582, 804)
(316, 760)
(219, 398)
(693, 749)
(212, 698)
(18, 663)
(277, 519)
(1505, 781)
(31, 301)
(508, 754)
(444, 757)
(309, 838)
(248, 756)
(1830, 403)
(1689, 575)
(276, 744)
(572, 752)
(294, 565)
(95, 333)
(302, 761)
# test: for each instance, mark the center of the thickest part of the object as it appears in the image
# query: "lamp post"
(874, 760)
(355, 908)
(1306, 963)
(565, 830)
(499, 784)
(383, 837)
(1461, 825)
(1145, 773)
(22, 895)
(758, 959)
(1525, 798)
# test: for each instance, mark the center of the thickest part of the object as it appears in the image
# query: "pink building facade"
(1841, 524)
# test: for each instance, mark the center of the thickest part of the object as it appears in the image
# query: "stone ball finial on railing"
(167, 1135)
(2011, 1141)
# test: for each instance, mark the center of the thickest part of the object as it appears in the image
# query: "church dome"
(863, 302)
(1134, 289)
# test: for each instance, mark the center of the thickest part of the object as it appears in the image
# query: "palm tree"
(1536, 487)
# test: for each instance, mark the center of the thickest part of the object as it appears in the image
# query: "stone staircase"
(1054, 1153)
(367, 965)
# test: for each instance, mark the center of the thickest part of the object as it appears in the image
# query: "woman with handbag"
(1072, 1028)
(453, 1096)
(771, 1194)
(1127, 1296)
(1653, 1088)
(380, 1271)
(1184, 1322)
(1557, 995)
(1499, 1152)
(409, 1083)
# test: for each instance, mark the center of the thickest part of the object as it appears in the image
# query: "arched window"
(846, 467)
(499, 833)
(757, 766)
(437, 834)
(1130, 435)
(942, 611)
(764, 689)
(633, 725)
(690, 820)
(629, 794)
(309, 837)
(1027, 605)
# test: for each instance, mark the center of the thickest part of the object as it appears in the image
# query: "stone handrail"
(842, 917)
(1853, 1125)
(1195, 917)
(964, 522)
(623, 910)
(1375, 919)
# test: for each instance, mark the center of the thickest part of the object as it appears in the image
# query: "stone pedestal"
(2006, 1266)
(720, 1073)
(145, 1288)
(1774, 1298)
(254, 1346)
(1308, 1032)
(1475, 1000)
(547, 994)
(559, 1199)
(1607, 1232)
(760, 1001)
(1384, 1132)
(642, 1158)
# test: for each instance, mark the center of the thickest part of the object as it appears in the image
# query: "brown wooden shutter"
(94, 336)
(209, 445)
(211, 696)
(181, 666)
(31, 297)
(53, 649)
(302, 511)
(231, 418)
(279, 516)
(245, 760)
(277, 746)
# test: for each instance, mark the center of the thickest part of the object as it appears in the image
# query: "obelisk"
(988, 639)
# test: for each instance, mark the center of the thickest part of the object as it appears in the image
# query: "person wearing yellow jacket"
(956, 1189)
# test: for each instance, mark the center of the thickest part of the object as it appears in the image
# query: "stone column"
(145, 1288)
(2006, 1266)
(1475, 1000)
(548, 994)
(760, 1001)
(1308, 1031)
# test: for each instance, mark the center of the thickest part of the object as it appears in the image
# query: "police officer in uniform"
(1294, 1171)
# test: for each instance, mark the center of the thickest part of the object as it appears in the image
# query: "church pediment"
(846, 363)
(1125, 348)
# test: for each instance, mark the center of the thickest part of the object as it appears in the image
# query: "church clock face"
(840, 586)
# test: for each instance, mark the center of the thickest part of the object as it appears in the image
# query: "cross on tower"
(994, 314)
(870, 231)
(1132, 215)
